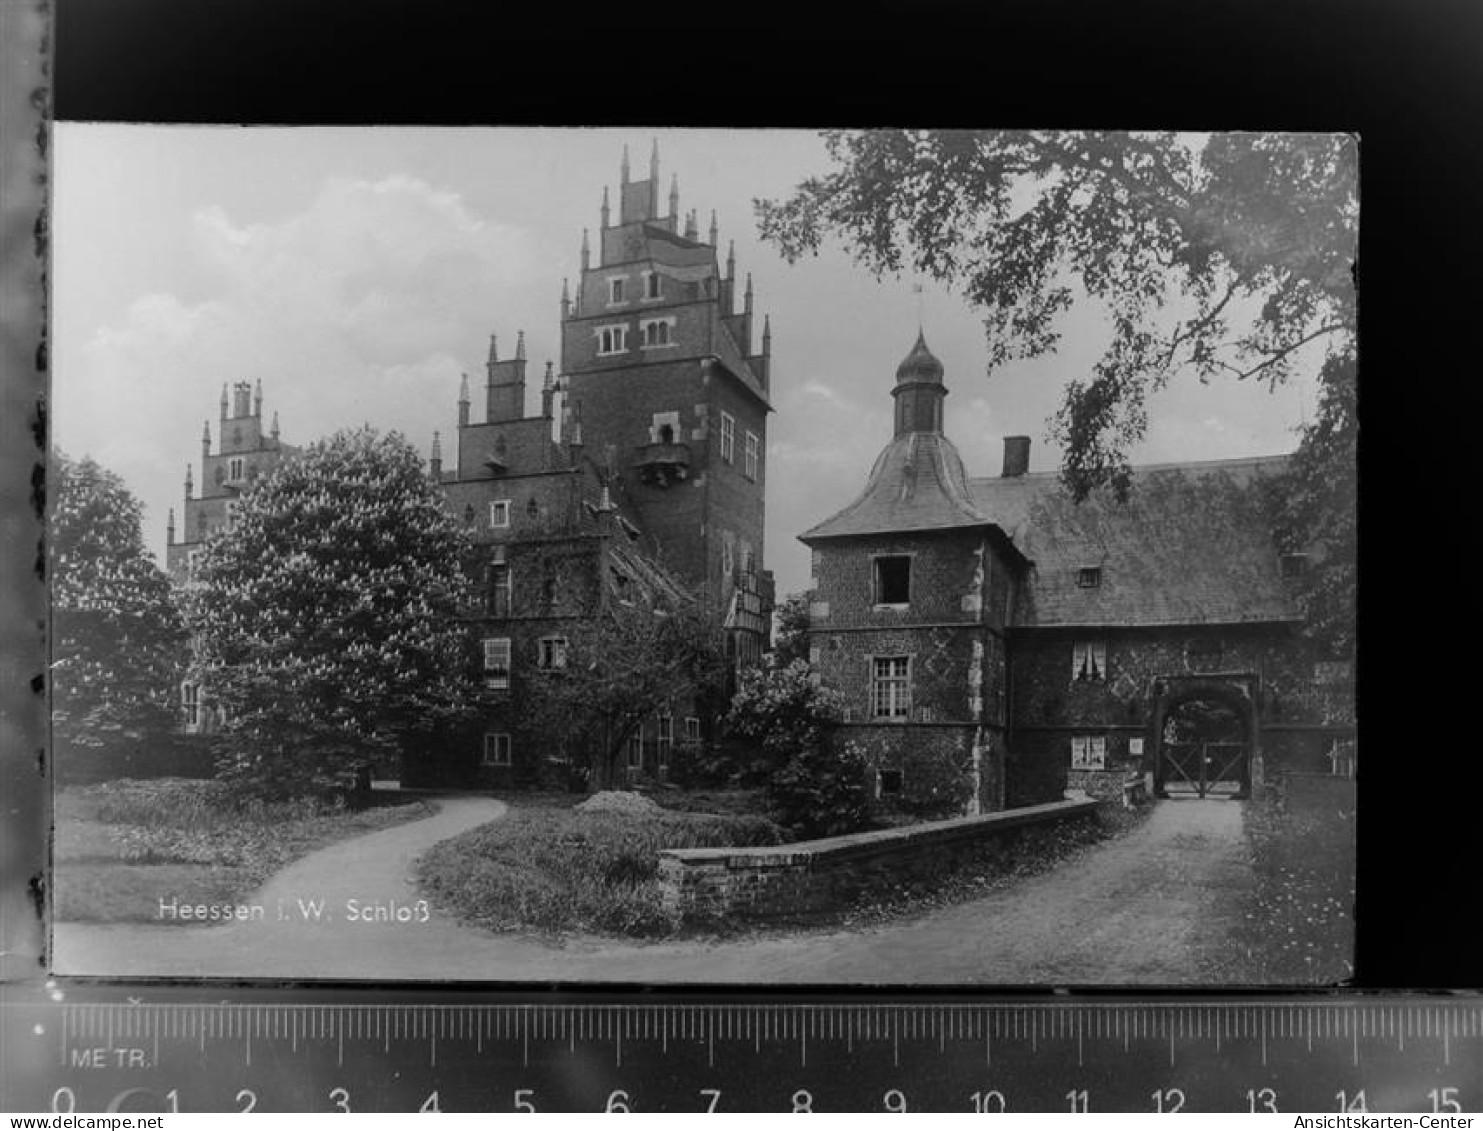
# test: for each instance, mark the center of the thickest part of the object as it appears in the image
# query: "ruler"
(167, 1049)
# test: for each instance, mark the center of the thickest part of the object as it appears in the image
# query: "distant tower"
(244, 454)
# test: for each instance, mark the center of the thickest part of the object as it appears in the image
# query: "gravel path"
(1153, 907)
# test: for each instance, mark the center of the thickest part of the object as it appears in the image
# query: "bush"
(823, 791)
(698, 764)
(558, 870)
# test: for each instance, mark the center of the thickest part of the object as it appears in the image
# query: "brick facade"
(657, 376)
(1033, 626)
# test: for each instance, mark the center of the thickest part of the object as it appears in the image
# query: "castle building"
(244, 453)
(994, 640)
(643, 470)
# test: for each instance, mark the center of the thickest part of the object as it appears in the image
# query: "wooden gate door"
(1206, 768)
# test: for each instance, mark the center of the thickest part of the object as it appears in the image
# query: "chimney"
(1016, 456)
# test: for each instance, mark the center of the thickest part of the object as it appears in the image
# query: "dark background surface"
(1404, 75)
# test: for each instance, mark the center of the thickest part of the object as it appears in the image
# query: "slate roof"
(917, 484)
(1192, 545)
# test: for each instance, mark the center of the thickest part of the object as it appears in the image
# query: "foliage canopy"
(1226, 255)
(117, 639)
(637, 658)
(327, 617)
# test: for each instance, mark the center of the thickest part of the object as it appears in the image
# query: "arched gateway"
(1205, 736)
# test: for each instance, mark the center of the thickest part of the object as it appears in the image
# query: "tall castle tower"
(244, 453)
(662, 369)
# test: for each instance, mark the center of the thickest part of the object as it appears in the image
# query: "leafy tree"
(790, 642)
(817, 786)
(327, 618)
(117, 639)
(783, 707)
(1219, 256)
(619, 668)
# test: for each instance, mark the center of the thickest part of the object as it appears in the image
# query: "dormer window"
(1089, 577)
(1292, 566)
(615, 291)
(893, 580)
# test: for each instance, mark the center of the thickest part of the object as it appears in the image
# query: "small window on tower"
(893, 580)
(655, 334)
(234, 469)
(753, 450)
(651, 285)
(728, 437)
(615, 290)
(499, 513)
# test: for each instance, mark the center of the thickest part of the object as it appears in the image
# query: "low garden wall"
(791, 881)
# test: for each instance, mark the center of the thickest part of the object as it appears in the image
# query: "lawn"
(1298, 924)
(120, 846)
(547, 867)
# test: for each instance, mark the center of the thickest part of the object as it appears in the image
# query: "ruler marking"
(1446, 1047)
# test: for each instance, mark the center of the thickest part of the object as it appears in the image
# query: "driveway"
(1153, 907)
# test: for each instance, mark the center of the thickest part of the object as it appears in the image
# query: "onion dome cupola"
(919, 390)
(918, 482)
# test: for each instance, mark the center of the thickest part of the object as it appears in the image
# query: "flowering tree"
(117, 640)
(327, 618)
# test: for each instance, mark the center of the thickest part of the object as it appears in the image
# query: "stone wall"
(795, 881)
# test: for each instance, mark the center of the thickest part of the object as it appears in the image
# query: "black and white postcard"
(683, 556)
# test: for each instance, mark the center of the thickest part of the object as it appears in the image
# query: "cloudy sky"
(358, 272)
